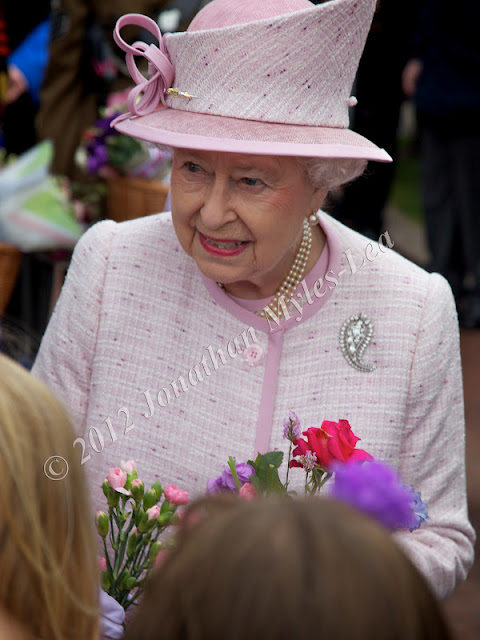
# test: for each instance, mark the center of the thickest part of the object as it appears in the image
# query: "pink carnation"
(128, 465)
(117, 478)
(175, 495)
(153, 512)
(102, 563)
(248, 492)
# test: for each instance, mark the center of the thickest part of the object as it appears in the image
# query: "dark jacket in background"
(72, 93)
(448, 43)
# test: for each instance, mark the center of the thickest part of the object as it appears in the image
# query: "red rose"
(332, 442)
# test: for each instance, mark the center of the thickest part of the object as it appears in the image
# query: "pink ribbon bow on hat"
(160, 70)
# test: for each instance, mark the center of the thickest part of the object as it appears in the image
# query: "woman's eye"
(193, 168)
(252, 182)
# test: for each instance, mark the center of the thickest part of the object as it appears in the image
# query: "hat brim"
(189, 130)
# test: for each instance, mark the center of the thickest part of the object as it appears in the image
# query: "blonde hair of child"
(49, 575)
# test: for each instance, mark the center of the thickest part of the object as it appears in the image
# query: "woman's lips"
(222, 247)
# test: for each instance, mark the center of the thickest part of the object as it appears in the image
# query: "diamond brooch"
(355, 336)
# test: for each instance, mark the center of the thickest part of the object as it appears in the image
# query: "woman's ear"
(318, 198)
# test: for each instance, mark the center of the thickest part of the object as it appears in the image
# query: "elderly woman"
(182, 339)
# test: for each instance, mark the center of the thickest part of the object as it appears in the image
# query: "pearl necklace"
(294, 277)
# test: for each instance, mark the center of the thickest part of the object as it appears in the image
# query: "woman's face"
(241, 216)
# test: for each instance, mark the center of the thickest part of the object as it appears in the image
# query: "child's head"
(49, 578)
(282, 569)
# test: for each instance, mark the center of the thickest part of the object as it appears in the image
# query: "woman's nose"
(217, 209)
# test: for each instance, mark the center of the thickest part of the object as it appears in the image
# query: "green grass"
(405, 194)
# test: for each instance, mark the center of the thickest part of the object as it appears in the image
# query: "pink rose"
(128, 466)
(175, 495)
(332, 442)
(153, 512)
(102, 563)
(248, 492)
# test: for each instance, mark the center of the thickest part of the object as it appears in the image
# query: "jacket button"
(253, 355)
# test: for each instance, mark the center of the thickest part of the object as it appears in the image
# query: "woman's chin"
(218, 268)
(216, 272)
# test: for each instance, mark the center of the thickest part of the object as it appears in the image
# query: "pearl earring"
(312, 219)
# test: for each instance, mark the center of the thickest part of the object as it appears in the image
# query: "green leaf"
(266, 479)
(274, 458)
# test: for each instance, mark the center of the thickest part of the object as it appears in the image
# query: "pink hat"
(253, 76)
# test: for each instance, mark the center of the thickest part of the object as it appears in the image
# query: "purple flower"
(98, 158)
(308, 461)
(419, 509)
(215, 485)
(225, 481)
(291, 427)
(103, 125)
(376, 489)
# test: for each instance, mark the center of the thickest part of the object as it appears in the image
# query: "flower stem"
(288, 464)
(107, 557)
(233, 469)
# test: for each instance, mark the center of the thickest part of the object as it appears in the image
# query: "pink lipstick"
(223, 248)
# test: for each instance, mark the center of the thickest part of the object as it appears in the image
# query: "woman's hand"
(17, 84)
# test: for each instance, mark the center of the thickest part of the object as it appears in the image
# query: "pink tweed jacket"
(157, 364)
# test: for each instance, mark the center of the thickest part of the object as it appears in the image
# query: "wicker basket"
(10, 261)
(130, 198)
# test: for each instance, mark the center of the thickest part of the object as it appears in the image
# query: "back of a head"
(47, 552)
(282, 569)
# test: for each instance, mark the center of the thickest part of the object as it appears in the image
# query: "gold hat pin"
(176, 93)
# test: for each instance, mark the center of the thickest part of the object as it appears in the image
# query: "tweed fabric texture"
(134, 316)
(228, 13)
(232, 135)
(293, 69)
(278, 71)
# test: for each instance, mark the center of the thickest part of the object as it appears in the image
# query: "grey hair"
(332, 172)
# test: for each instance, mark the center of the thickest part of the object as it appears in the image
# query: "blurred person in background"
(444, 79)
(85, 67)
(23, 57)
(4, 51)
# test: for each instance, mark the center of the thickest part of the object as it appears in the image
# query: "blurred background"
(62, 168)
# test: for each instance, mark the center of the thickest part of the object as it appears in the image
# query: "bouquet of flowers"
(107, 153)
(135, 520)
(137, 517)
(329, 450)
